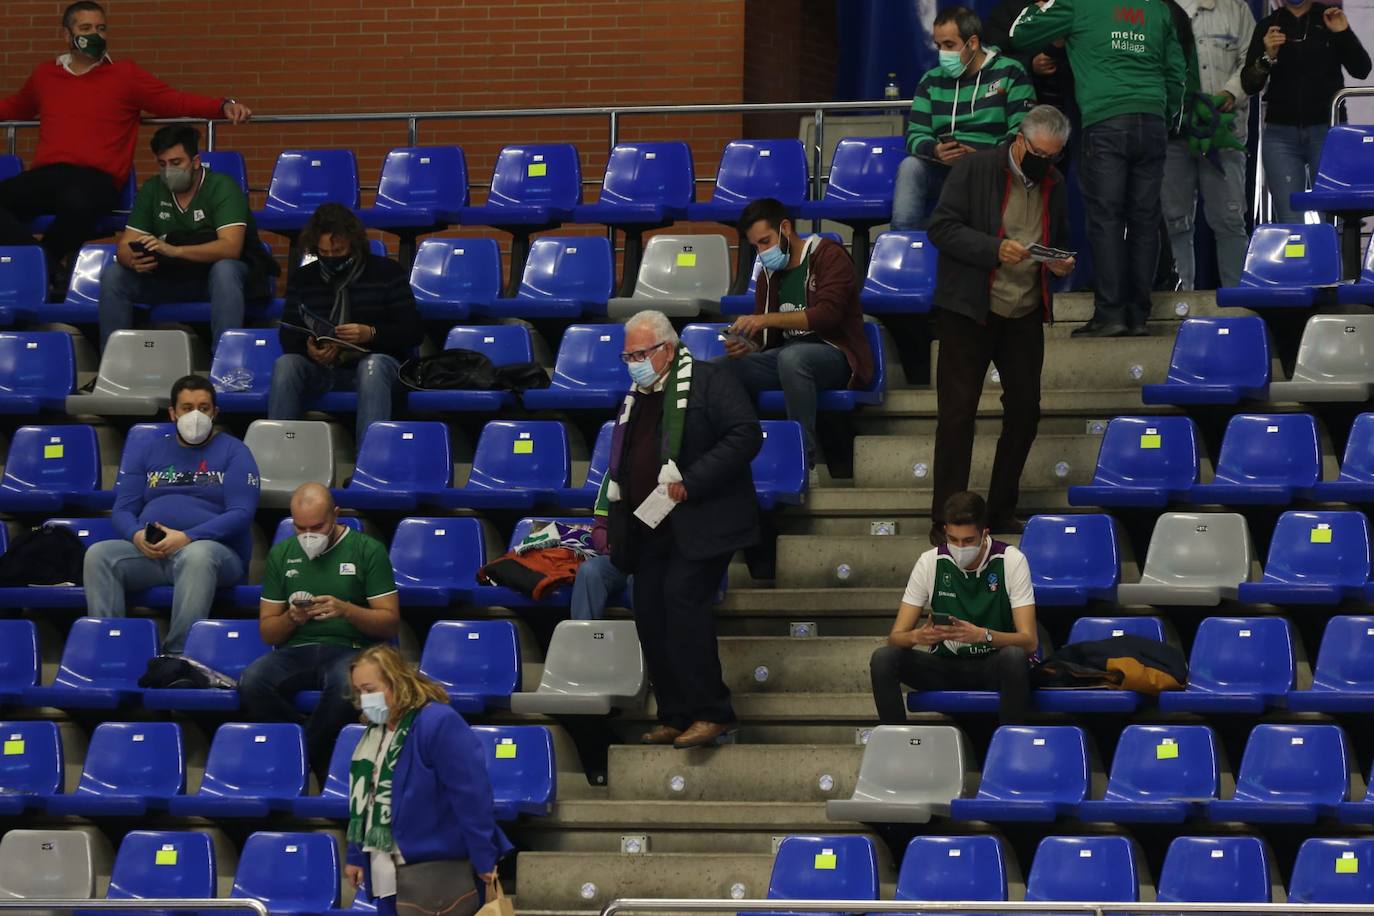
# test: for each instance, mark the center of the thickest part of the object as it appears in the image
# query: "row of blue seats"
(1297, 266)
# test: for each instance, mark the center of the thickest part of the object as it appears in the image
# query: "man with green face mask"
(88, 106)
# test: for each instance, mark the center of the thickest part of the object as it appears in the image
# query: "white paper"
(655, 507)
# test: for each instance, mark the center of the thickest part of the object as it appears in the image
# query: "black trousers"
(677, 629)
(1005, 671)
(78, 197)
(1017, 348)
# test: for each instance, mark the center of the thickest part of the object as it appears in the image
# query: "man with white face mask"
(966, 622)
(184, 506)
(326, 593)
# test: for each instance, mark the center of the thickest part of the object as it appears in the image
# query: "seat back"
(473, 656)
(1358, 461)
(1286, 255)
(336, 781)
(19, 660)
(227, 646)
(143, 364)
(1156, 452)
(1087, 629)
(864, 169)
(593, 657)
(134, 758)
(704, 340)
(915, 764)
(446, 552)
(902, 262)
(292, 872)
(244, 359)
(1084, 868)
(83, 289)
(1193, 871)
(36, 362)
(649, 173)
(1345, 660)
(1043, 763)
(53, 864)
(953, 868)
(1327, 548)
(520, 763)
(303, 179)
(23, 276)
(576, 267)
(256, 760)
(521, 454)
(1221, 351)
(824, 868)
(1336, 348)
(10, 165)
(65, 459)
(589, 357)
(780, 464)
(107, 652)
(1333, 871)
(600, 461)
(423, 177)
(33, 760)
(456, 270)
(503, 344)
(227, 162)
(87, 530)
(1158, 762)
(548, 174)
(403, 456)
(1295, 763)
(1076, 550)
(1242, 655)
(1200, 549)
(291, 452)
(1346, 159)
(751, 169)
(1270, 449)
(684, 267)
(167, 864)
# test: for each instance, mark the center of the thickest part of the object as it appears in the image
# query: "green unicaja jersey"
(983, 596)
(218, 204)
(355, 569)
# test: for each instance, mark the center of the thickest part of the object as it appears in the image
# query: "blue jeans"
(1291, 154)
(1121, 174)
(297, 379)
(112, 568)
(267, 686)
(1223, 201)
(919, 182)
(800, 370)
(121, 287)
(597, 580)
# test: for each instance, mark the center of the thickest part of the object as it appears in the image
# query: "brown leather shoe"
(661, 734)
(703, 734)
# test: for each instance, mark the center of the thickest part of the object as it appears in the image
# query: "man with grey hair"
(992, 298)
(676, 503)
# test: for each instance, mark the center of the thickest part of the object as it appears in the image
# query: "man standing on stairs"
(992, 298)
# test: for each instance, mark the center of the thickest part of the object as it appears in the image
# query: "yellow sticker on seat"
(1166, 751)
(1151, 441)
(1347, 864)
(538, 169)
(686, 259)
(52, 451)
(165, 857)
(522, 447)
(825, 861)
(1294, 251)
(14, 747)
(505, 751)
(1321, 535)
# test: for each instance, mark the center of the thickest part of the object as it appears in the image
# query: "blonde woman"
(420, 819)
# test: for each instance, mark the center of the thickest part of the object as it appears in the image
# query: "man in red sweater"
(88, 108)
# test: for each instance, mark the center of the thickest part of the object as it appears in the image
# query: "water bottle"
(892, 91)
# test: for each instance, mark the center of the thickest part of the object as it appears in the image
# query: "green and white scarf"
(370, 788)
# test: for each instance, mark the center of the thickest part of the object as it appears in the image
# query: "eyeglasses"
(638, 356)
(1053, 157)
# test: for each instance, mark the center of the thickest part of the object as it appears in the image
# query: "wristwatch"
(987, 636)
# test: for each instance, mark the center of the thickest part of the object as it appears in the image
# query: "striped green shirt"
(981, 109)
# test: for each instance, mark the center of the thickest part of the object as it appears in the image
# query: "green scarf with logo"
(369, 786)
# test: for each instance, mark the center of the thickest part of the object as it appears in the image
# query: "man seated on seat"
(966, 622)
(184, 507)
(807, 331)
(190, 237)
(368, 302)
(326, 593)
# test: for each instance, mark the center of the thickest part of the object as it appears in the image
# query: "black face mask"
(335, 266)
(1035, 167)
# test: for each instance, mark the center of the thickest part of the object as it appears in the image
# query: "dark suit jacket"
(720, 436)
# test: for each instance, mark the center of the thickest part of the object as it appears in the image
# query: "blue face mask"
(644, 373)
(375, 708)
(952, 62)
(775, 258)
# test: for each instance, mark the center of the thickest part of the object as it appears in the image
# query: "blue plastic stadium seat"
(1356, 481)
(584, 497)
(1087, 629)
(1342, 179)
(588, 374)
(749, 170)
(303, 179)
(1343, 680)
(520, 763)
(645, 184)
(166, 864)
(31, 767)
(1143, 461)
(1031, 774)
(531, 185)
(23, 283)
(227, 162)
(1215, 869)
(82, 302)
(1314, 558)
(131, 768)
(1215, 361)
(858, 192)
(779, 468)
(1286, 266)
(417, 185)
(1290, 774)
(949, 868)
(743, 303)
(1361, 292)
(824, 868)
(451, 277)
(89, 531)
(251, 769)
(242, 369)
(1266, 459)
(227, 646)
(37, 369)
(333, 798)
(396, 462)
(1073, 558)
(843, 399)
(435, 560)
(503, 344)
(1161, 774)
(1333, 871)
(704, 340)
(53, 468)
(564, 277)
(516, 464)
(101, 663)
(1238, 664)
(19, 661)
(1084, 868)
(901, 275)
(293, 874)
(10, 165)
(476, 661)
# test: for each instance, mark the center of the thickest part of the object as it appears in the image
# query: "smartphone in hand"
(942, 620)
(152, 534)
(138, 247)
(302, 602)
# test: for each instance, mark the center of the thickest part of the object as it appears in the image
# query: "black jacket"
(1308, 73)
(720, 437)
(966, 228)
(380, 297)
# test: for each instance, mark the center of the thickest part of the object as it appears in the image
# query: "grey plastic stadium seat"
(908, 774)
(592, 667)
(59, 864)
(1195, 558)
(136, 373)
(290, 453)
(680, 276)
(1335, 361)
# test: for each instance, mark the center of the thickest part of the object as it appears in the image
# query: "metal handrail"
(142, 903)
(1352, 92)
(650, 905)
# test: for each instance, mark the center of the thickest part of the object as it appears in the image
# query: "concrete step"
(632, 816)
(1167, 306)
(807, 603)
(1118, 363)
(740, 772)
(787, 666)
(841, 563)
(912, 504)
(1055, 462)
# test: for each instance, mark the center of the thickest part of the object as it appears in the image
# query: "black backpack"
(49, 555)
(468, 370)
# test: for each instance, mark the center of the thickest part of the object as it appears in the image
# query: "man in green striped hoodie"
(974, 99)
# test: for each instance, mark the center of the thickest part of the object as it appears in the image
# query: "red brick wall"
(789, 56)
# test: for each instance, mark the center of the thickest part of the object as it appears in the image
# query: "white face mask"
(375, 708)
(965, 556)
(313, 543)
(194, 427)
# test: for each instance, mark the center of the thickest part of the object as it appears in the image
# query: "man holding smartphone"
(966, 622)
